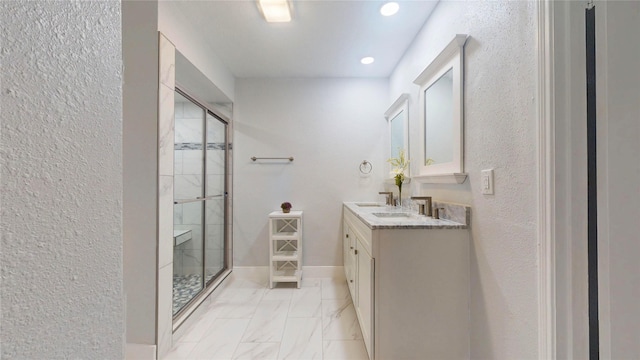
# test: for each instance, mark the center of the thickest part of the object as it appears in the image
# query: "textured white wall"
(329, 126)
(62, 292)
(500, 127)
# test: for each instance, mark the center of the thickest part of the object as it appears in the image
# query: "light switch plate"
(487, 181)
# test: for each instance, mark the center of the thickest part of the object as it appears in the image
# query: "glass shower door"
(189, 212)
(216, 195)
(200, 201)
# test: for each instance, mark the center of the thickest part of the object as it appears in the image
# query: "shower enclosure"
(200, 199)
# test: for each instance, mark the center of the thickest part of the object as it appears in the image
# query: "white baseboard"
(335, 272)
(140, 352)
(261, 273)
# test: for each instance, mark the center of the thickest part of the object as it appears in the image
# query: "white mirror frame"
(400, 105)
(451, 57)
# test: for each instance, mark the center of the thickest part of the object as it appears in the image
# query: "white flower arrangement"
(399, 164)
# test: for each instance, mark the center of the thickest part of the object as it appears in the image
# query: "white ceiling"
(324, 39)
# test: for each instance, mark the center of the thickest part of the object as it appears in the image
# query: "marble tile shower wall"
(188, 125)
(166, 96)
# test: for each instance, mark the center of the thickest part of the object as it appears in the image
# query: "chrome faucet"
(389, 200)
(427, 208)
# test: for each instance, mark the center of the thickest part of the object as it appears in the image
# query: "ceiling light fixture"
(367, 60)
(389, 8)
(275, 10)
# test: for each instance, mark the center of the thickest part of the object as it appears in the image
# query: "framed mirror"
(441, 156)
(398, 121)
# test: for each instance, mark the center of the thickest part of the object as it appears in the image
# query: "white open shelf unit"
(285, 247)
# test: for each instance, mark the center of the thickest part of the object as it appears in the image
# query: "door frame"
(546, 182)
(562, 186)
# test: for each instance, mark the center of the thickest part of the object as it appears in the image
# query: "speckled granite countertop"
(454, 216)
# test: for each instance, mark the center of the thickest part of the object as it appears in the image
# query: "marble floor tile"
(244, 283)
(226, 309)
(241, 295)
(233, 303)
(246, 320)
(180, 351)
(196, 331)
(221, 340)
(311, 282)
(339, 320)
(302, 339)
(278, 294)
(268, 322)
(334, 289)
(344, 350)
(306, 302)
(270, 308)
(255, 351)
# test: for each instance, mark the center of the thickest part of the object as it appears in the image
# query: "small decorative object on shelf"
(286, 207)
(399, 164)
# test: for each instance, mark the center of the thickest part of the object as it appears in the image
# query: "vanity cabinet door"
(349, 259)
(364, 305)
(359, 270)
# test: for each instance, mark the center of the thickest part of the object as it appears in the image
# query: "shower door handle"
(211, 197)
(199, 198)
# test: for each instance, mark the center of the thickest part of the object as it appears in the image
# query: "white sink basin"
(369, 205)
(393, 215)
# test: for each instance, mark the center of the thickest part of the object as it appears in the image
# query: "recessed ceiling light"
(389, 8)
(367, 60)
(275, 10)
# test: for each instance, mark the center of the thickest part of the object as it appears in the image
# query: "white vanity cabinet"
(410, 287)
(358, 267)
(349, 258)
(364, 293)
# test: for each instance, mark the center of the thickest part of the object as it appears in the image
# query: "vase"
(400, 195)
(286, 211)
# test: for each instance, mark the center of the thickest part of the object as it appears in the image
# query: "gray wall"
(140, 162)
(177, 27)
(329, 126)
(618, 148)
(62, 290)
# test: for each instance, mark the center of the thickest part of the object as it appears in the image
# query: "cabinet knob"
(347, 235)
(351, 247)
(356, 251)
(350, 280)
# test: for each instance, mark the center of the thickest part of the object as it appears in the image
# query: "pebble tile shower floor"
(185, 287)
(247, 320)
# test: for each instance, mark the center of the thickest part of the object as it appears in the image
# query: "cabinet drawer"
(360, 229)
